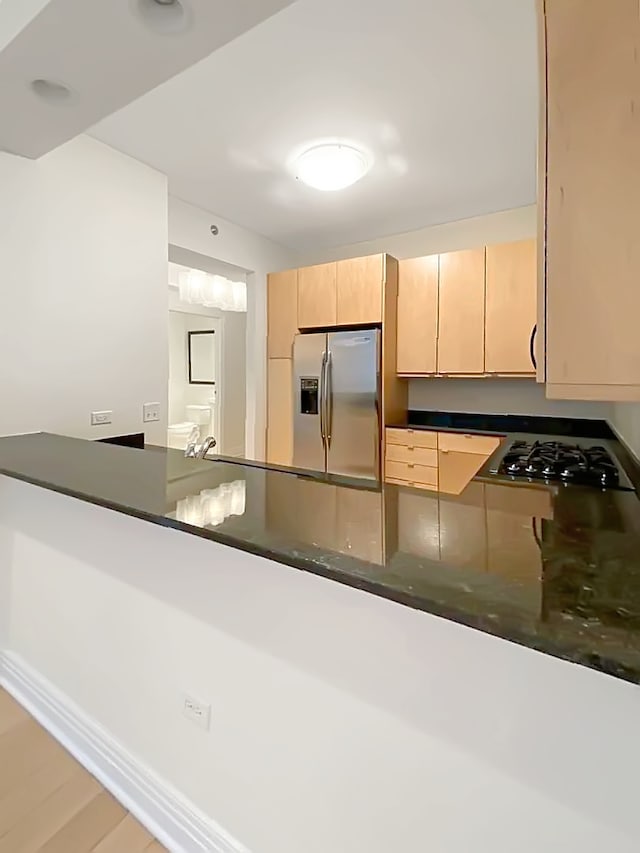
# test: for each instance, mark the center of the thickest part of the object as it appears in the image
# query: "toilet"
(200, 415)
(178, 434)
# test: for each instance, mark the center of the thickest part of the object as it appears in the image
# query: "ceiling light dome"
(50, 90)
(332, 166)
(166, 17)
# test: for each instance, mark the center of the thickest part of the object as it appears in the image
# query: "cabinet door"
(461, 313)
(419, 524)
(512, 530)
(592, 199)
(359, 288)
(359, 530)
(463, 531)
(418, 315)
(468, 443)
(317, 516)
(511, 301)
(280, 411)
(282, 313)
(317, 296)
(457, 469)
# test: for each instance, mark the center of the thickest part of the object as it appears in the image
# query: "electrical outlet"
(151, 413)
(98, 418)
(196, 711)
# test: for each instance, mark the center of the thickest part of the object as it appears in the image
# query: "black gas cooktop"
(586, 464)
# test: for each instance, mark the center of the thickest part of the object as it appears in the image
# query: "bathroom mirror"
(201, 358)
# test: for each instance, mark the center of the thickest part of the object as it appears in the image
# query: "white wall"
(83, 297)
(495, 396)
(517, 224)
(189, 228)
(340, 721)
(626, 422)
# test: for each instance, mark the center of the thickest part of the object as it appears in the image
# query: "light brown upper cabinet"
(282, 313)
(418, 315)
(359, 290)
(510, 307)
(317, 296)
(590, 188)
(461, 312)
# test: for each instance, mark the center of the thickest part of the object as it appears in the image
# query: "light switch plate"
(98, 418)
(151, 413)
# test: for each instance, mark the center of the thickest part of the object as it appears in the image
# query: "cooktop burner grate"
(557, 461)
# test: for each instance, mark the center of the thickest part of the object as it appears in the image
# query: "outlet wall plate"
(196, 711)
(150, 413)
(98, 418)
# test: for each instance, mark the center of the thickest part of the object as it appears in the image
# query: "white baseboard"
(161, 809)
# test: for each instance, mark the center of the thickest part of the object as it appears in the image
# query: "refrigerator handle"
(328, 390)
(323, 388)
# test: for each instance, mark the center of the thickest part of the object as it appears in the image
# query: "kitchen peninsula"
(251, 589)
(561, 574)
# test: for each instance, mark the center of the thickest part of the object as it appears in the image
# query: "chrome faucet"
(195, 449)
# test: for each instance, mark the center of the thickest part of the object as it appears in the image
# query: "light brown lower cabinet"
(419, 524)
(360, 524)
(440, 461)
(484, 445)
(302, 509)
(280, 411)
(490, 529)
(463, 532)
(514, 525)
(321, 515)
(456, 469)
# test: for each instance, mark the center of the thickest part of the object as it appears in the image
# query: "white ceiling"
(442, 93)
(104, 52)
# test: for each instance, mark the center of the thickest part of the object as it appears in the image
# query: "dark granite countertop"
(556, 569)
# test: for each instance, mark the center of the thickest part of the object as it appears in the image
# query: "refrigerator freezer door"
(353, 405)
(308, 390)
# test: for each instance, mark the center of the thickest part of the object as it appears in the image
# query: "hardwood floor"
(49, 803)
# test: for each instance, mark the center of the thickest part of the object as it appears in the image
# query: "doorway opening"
(207, 363)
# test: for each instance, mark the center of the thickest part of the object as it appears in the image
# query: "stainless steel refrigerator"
(337, 407)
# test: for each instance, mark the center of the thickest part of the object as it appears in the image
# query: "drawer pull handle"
(411, 465)
(410, 447)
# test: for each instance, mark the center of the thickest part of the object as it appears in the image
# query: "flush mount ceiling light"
(166, 17)
(50, 91)
(331, 166)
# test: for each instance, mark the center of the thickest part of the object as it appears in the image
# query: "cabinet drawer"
(415, 455)
(409, 472)
(412, 437)
(430, 487)
(466, 443)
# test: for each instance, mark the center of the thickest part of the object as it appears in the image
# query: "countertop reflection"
(555, 569)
